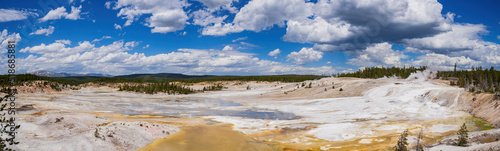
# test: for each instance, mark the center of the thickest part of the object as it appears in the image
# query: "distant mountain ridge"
(75, 78)
(44, 73)
(146, 76)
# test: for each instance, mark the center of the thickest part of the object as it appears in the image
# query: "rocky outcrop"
(484, 105)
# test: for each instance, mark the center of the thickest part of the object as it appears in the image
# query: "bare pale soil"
(368, 114)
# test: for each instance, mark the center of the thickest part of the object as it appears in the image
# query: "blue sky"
(242, 37)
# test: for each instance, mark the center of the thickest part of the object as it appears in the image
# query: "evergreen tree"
(463, 136)
(455, 70)
(378, 72)
(402, 142)
(482, 80)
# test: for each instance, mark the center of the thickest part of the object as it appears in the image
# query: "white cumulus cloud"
(13, 15)
(304, 56)
(274, 53)
(57, 13)
(166, 16)
(204, 18)
(215, 4)
(444, 62)
(116, 59)
(75, 13)
(47, 31)
(461, 36)
(379, 54)
(238, 39)
(259, 15)
(60, 12)
(64, 41)
(118, 26)
(103, 37)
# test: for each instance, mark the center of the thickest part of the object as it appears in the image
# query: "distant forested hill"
(156, 78)
(380, 72)
(474, 80)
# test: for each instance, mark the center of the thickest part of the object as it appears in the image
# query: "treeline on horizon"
(380, 72)
(154, 88)
(475, 80)
(165, 87)
(22, 79)
(148, 83)
(268, 78)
